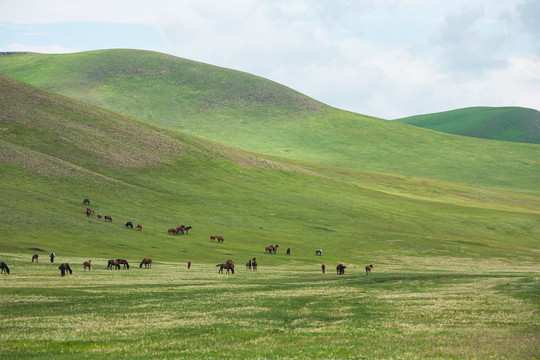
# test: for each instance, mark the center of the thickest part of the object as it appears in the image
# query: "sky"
(385, 58)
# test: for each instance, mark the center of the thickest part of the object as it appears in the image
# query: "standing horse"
(113, 263)
(318, 252)
(86, 201)
(228, 266)
(108, 218)
(88, 211)
(129, 225)
(35, 257)
(139, 227)
(288, 251)
(63, 268)
(220, 239)
(323, 267)
(248, 265)
(340, 269)
(87, 264)
(189, 264)
(147, 263)
(269, 249)
(275, 249)
(254, 264)
(4, 269)
(213, 238)
(368, 269)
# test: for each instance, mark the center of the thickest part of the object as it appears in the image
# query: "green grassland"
(501, 123)
(258, 115)
(456, 265)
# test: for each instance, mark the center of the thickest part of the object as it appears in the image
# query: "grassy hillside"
(455, 266)
(504, 123)
(248, 112)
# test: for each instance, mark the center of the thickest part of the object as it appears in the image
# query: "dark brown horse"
(35, 257)
(4, 269)
(108, 218)
(288, 251)
(189, 264)
(86, 201)
(87, 264)
(147, 263)
(323, 267)
(254, 264)
(227, 266)
(113, 264)
(368, 269)
(129, 225)
(340, 269)
(139, 227)
(248, 265)
(269, 249)
(220, 239)
(88, 211)
(63, 268)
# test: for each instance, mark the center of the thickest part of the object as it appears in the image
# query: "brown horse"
(139, 227)
(4, 269)
(323, 267)
(228, 266)
(122, 262)
(220, 239)
(113, 263)
(254, 264)
(87, 264)
(147, 263)
(63, 268)
(213, 238)
(86, 201)
(99, 217)
(189, 264)
(35, 257)
(269, 249)
(368, 269)
(108, 218)
(340, 269)
(88, 211)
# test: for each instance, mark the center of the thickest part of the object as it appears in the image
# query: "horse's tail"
(218, 265)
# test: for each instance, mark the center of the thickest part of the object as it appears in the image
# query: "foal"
(368, 269)
(87, 264)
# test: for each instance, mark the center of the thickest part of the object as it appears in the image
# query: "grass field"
(455, 265)
(408, 308)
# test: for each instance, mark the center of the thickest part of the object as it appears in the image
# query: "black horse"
(129, 225)
(340, 269)
(63, 268)
(4, 268)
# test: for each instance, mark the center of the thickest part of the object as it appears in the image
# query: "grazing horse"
(340, 269)
(4, 268)
(129, 225)
(220, 239)
(147, 263)
(269, 249)
(86, 201)
(139, 227)
(63, 268)
(248, 265)
(87, 264)
(368, 269)
(318, 252)
(288, 251)
(122, 262)
(99, 217)
(35, 257)
(113, 263)
(254, 264)
(323, 267)
(213, 238)
(108, 218)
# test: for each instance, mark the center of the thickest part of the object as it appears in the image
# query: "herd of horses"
(179, 230)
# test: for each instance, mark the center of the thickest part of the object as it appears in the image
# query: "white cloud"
(50, 49)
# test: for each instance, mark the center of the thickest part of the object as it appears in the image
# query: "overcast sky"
(386, 58)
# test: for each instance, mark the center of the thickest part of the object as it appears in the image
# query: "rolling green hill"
(255, 114)
(503, 123)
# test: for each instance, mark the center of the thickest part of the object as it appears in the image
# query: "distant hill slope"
(55, 151)
(259, 115)
(496, 123)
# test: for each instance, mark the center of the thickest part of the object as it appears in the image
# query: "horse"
(88, 211)
(189, 264)
(213, 238)
(99, 217)
(86, 201)
(269, 249)
(139, 227)
(228, 266)
(318, 252)
(220, 239)
(147, 263)
(340, 269)
(248, 265)
(113, 263)
(288, 251)
(35, 257)
(122, 262)
(323, 267)
(108, 218)
(368, 269)
(275, 249)
(129, 225)
(4, 269)
(187, 228)
(63, 268)
(87, 264)
(254, 264)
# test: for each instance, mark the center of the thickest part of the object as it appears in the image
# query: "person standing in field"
(53, 255)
